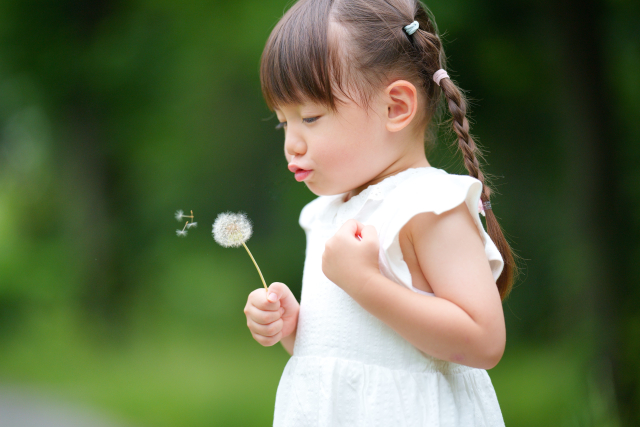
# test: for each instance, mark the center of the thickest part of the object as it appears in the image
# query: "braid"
(429, 54)
(470, 151)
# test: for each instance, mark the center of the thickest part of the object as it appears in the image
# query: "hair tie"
(411, 28)
(482, 207)
(439, 75)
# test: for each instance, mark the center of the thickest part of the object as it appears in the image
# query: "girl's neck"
(393, 169)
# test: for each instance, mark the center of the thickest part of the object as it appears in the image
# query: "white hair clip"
(411, 28)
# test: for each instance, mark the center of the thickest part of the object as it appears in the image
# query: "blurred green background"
(114, 114)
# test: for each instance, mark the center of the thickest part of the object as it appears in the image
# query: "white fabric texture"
(348, 367)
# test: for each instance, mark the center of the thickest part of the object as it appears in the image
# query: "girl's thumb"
(280, 292)
(368, 232)
(276, 291)
(272, 296)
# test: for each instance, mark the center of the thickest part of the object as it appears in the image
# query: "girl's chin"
(323, 191)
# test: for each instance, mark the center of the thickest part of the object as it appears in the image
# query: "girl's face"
(337, 152)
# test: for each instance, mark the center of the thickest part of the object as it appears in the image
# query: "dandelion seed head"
(231, 229)
(181, 233)
(192, 224)
(179, 214)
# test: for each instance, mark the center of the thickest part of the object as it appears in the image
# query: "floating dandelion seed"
(183, 232)
(179, 215)
(231, 230)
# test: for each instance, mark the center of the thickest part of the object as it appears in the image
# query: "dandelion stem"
(256, 264)
(185, 226)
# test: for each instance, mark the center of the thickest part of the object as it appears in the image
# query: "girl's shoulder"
(435, 190)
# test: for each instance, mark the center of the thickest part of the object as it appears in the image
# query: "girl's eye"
(308, 120)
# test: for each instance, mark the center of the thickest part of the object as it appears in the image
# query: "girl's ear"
(402, 104)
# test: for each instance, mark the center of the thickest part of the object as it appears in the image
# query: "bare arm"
(434, 325)
(464, 323)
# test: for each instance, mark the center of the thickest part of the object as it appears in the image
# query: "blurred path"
(23, 407)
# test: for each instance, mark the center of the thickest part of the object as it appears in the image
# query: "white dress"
(349, 368)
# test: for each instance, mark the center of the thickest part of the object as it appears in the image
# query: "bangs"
(298, 64)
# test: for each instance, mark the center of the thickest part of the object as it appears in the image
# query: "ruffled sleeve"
(435, 192)
(314, 210)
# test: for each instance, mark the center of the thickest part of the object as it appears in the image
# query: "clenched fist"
(274, 318)
(350, 257)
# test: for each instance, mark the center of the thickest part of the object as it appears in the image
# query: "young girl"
(401, 308)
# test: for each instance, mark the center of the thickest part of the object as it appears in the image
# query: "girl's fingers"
(267, 341)
(355, 229)
(369, 232)
(266, 331)
(265, 318)
(286, 298)
(262, 317)
(350, 228)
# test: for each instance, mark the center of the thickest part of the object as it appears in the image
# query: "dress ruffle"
(330, 392)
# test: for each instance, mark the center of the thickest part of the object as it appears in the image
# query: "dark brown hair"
(325, 50)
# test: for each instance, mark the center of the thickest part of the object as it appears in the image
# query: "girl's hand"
(351, 256)
(271, 319)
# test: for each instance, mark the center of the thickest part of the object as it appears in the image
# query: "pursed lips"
(300, 173)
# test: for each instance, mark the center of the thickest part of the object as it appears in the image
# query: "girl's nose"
(294, 146)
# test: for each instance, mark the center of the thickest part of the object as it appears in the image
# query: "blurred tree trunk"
(594, 194)
(93, 171)
(93, 176)
(86, 157)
